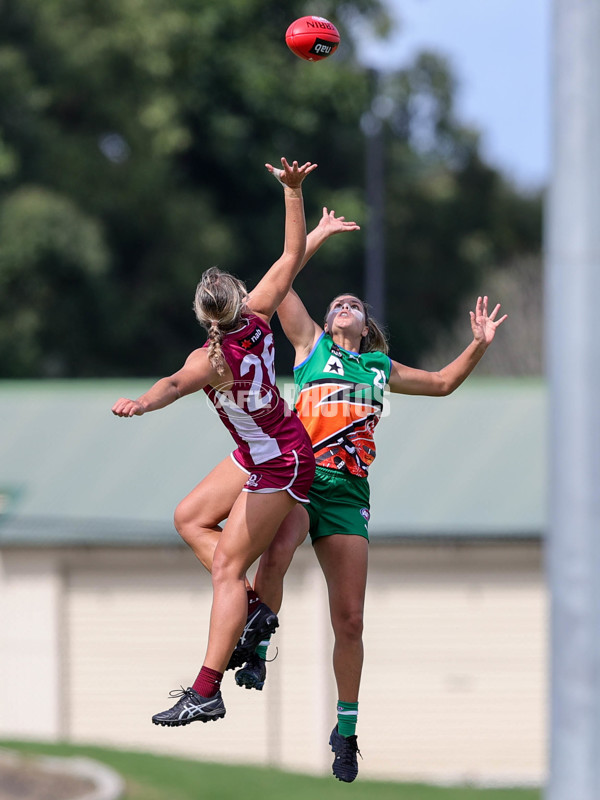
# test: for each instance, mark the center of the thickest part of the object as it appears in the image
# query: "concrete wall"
(31, 644)
(454, 683)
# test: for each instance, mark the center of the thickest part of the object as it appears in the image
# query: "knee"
(179, 519)
(277, 557)
(182, 522)
(190, 525)
(348, 625)
(226, 569)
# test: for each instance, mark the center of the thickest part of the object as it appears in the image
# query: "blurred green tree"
(450, 218)
(53, 263)
(143, 126)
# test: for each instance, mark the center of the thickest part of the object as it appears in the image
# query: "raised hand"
(293, 175)
(484, 325)
(329, 224)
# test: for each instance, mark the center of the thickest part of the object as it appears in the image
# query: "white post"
(573, 357)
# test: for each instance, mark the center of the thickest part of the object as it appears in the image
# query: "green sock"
(347, 714)
(261, 649)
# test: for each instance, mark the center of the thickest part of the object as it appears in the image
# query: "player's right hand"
(331, 224)
(293, 175)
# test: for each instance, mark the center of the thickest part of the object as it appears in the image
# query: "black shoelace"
(348, 752)
(180, 692)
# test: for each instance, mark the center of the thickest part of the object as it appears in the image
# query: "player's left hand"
(484, 325)
(127, 408)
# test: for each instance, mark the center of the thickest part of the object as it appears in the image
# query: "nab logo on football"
(322, 48)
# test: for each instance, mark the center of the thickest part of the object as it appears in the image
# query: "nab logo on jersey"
(251, 339)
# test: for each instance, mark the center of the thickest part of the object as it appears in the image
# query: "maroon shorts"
(292, 472)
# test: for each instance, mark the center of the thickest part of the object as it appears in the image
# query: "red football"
(312, 38)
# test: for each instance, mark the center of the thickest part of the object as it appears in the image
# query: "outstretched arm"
(407, 380)
(274, 286)
(301, 330)
(196, 373)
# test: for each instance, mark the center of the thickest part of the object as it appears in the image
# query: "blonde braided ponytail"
(215, 354)
(219, 305)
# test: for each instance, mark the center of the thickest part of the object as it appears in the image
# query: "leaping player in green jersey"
(341, 371)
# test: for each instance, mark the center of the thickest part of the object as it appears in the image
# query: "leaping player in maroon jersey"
(272, 467)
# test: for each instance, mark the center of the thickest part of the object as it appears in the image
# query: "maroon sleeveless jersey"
(260, 421)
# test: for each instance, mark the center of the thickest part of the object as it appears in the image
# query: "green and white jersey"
(340, 400)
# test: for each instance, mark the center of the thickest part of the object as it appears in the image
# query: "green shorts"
(339, 503)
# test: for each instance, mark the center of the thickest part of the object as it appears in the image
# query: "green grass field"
(151, 777)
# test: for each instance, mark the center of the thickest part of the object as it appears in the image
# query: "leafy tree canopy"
(133, 135)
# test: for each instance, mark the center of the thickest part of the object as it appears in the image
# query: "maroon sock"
(208, 682)
(253, 600)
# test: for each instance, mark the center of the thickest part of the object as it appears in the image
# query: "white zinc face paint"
(352, 305)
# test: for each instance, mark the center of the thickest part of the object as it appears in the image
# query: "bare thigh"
(275, 561)
(210, 502)
(344, 561)
(250, 528)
